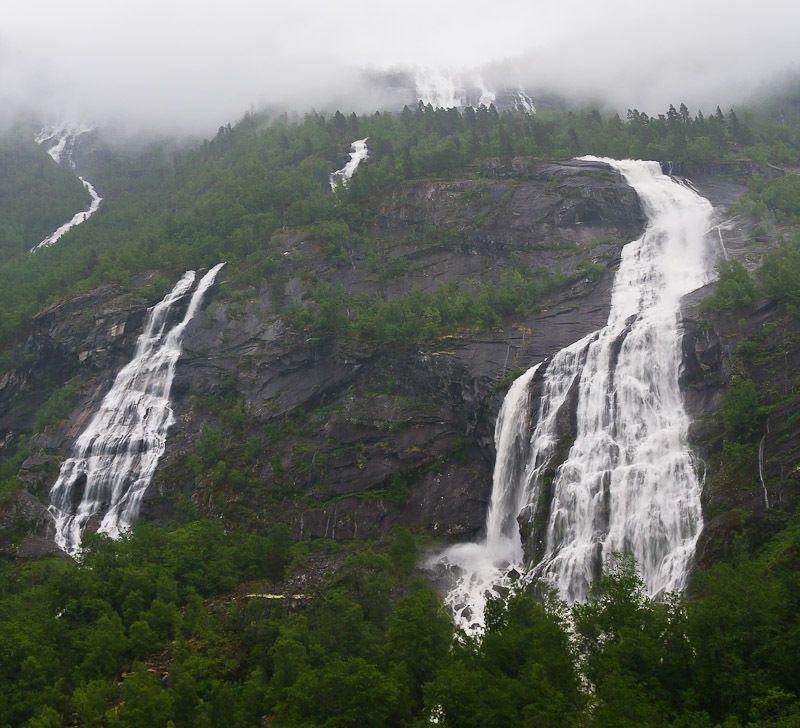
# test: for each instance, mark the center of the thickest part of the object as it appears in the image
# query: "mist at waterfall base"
(628, 482)
(114, 458)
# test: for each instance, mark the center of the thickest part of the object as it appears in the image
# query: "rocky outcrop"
(337, 437)
(742, 497)
(87, 336)
(757, 342)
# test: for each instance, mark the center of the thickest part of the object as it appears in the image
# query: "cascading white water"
(62, 153)
(525, 102)
(114, 458)
(761, 444)
(444, 89)
(358, 153)
(487, 96)
(482, 566)
(437, 88)
(628, 482)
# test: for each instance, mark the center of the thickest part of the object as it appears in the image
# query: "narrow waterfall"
(114, 458)
(62, 153)
(625, 479)
(524, 102)
(437, 88)
(487, 96)
(488, 569)
(358, 153)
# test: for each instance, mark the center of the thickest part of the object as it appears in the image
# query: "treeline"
(180, 626)
(168, 209)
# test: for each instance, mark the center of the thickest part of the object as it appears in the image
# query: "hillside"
(334, 411)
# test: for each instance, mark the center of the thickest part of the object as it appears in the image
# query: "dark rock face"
(359, 439)
(90, 335)
(761, 344)
(715, 349)
(348, 440)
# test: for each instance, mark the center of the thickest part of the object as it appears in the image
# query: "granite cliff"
(340, 437)
(343, 438)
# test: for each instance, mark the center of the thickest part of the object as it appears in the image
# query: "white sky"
(193, 64)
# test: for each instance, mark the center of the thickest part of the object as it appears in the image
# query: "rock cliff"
(339, 437)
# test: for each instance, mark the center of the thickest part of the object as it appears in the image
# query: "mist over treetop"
(189, 67)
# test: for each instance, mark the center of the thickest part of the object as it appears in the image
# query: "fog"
(191, 65)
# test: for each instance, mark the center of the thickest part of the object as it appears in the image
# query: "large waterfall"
(114, 458)
(62, 140)
(624, 479)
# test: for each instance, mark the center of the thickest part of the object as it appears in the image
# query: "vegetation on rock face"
(420, 316)
(170, 210)
(177, 625)
(734, 287)
(36, 195)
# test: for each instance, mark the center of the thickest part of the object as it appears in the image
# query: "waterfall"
(624, 480)
(358, 153)
(523, 102)
(487, 97)
(444, 89)
(62, 153)
(761, 443)
(114, 458)
(437, 88)
(482, 567)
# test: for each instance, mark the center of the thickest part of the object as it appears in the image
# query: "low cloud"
(191, 66)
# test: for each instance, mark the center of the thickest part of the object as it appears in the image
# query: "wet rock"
(502, 591)
(711, 352)
(402, 436)
(37, 547)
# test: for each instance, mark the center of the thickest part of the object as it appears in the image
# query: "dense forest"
(36, 196)
(190, 624)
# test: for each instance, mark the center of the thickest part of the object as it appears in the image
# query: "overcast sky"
(193, 65)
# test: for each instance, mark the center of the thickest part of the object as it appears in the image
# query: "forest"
(192, 624)
(188, 625)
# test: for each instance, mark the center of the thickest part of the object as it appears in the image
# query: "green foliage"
(168, 209)
(737, 455)
(89, 643)
(343, 692)
(36, 195)
(58, 405)
(69, 630)
(739, 410)
(124, 638)
(781, 195)
(508, 379)
(635, 649)
(336, 239)
(488, 682)
(9, 467)
(744, 626)
(780, 274)
(419, 315)
(734, 287)
(403, 552)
